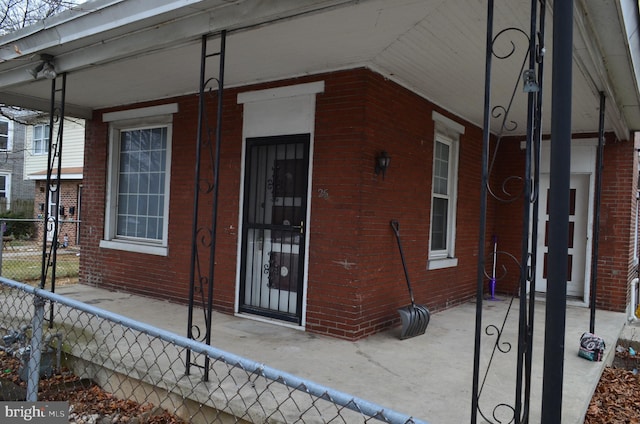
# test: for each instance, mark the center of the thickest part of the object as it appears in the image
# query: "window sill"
(442, 263)
(134, 247)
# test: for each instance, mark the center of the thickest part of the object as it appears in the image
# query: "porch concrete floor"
(429, 377)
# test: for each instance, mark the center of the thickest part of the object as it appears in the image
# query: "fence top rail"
(37, 220)
(341, 398)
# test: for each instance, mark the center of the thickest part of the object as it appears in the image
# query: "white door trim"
(278, 111)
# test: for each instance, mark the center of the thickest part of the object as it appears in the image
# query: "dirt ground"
(88, 402)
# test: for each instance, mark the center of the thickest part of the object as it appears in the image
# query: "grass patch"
(29, 268)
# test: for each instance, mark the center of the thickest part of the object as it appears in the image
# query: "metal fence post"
(3, 228)
(36, 349)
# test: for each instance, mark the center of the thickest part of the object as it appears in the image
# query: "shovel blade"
(415, 319)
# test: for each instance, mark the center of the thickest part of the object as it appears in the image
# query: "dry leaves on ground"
(88, 402)
(616, 398)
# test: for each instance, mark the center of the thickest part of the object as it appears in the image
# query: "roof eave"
(611, 57)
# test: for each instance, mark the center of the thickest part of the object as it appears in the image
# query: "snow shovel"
(415, 318)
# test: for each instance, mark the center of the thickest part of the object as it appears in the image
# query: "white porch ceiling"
(119, 52)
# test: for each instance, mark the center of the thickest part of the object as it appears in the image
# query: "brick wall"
(617, 219)
(355, 276)
(616, 267)
(69, 191)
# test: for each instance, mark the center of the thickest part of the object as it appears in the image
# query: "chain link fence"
(113, 369)
(21, 246)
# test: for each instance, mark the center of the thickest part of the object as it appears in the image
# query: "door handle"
(299, 227)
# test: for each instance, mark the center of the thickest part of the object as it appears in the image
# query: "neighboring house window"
(6, 128)
(40, 139)
(138, 197)
(5, 191)
(444, 191)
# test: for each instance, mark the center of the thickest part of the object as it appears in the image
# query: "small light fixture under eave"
(44, 68)
(382, 163)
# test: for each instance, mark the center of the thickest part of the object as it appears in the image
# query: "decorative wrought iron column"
(203, 235)
(530, 80)
(52, 190)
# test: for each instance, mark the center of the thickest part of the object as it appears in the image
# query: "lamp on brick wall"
(382, 163)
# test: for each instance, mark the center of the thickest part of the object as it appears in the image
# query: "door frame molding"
(273, 112)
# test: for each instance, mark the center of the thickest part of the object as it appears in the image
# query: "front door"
(577, 248)
(273, 227)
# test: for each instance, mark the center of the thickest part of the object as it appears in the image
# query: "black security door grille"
(275, 208)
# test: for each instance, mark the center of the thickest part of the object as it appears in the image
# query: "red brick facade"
(355, 276)
(68, 209)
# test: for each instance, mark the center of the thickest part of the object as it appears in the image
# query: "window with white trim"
(444, 192)
(6, 134)
(5, 191)
(41, 139)
(137, 211)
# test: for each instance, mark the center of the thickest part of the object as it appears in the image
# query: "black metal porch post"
(596, 220)
(555, 319)
(483, 212)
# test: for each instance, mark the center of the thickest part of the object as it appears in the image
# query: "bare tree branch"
(16, 14)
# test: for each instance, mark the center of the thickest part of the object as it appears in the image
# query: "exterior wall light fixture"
(382, 163)
(44, 68)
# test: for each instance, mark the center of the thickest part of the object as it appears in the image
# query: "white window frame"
(7, 190)
(447, 132)
(142, 118)
(44, 140)
(9, 135)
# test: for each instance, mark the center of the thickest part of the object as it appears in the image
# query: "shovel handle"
(396, 229)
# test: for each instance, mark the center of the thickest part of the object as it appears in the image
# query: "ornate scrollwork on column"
(203, 240)
(507, 189)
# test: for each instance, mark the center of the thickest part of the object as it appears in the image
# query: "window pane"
(439, 224)
(153, 230)
(154, 183)
(132, 205)
(142, 156)
(123, 202)
(141, 228)
(142, 205)
(153, 204)
(441, 169)
(40, 139)
(3, 186)
(4, 128)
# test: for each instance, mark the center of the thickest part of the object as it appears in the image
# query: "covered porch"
(120, 59)
(428, 377)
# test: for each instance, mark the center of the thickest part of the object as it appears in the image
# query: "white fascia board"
(594, 63)
(92, 18)
(631, 22)
(87, 42)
